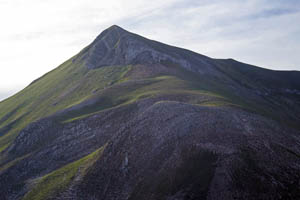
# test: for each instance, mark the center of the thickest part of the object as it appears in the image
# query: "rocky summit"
(129, 118)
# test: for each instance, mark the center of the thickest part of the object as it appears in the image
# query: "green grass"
(132, 91)
(216, 103)
(67, 85)
(4, 147)
(57, 181)
(71, 84)
(13, 162)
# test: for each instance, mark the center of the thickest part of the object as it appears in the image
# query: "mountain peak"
(116, 46)
(111, 34)
(116, 27)
(109, 48)
(112, 30)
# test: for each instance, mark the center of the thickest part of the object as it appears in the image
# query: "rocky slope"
(132, 118)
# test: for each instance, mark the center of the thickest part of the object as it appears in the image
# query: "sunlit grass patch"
(57, 181)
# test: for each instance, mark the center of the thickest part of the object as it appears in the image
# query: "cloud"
(274, 12)
(36, 36)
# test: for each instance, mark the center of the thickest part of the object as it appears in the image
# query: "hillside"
(132, 118)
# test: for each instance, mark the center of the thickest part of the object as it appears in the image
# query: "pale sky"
(38, 35)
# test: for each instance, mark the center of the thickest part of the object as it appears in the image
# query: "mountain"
(132, 118)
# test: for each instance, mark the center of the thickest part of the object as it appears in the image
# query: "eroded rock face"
(119, 47)
(179, 151)
(167, 150)
(115, 46)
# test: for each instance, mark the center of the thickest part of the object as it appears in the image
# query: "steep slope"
(174, 124)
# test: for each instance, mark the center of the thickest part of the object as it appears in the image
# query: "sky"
(36, 36)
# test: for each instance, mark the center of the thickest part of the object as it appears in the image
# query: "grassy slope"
(67, 85)
(129, 91)
(57, 181)
(71, 84)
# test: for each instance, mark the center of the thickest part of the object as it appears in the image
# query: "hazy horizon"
(49, 32)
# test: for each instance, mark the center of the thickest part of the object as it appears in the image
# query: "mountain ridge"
(170, 123)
